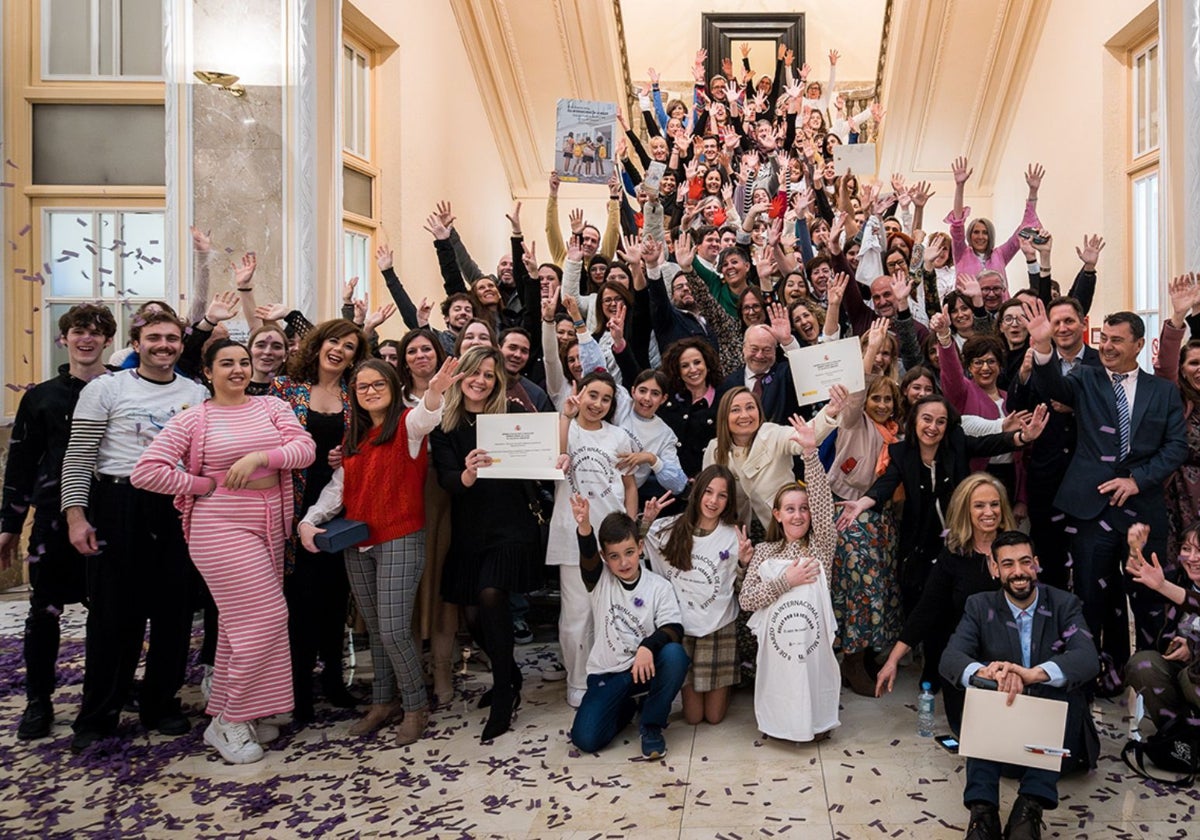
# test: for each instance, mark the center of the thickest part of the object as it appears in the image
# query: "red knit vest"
(385, 488)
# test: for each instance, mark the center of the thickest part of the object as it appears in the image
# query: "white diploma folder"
(995, 731)
(857, 157)
(816, 367)
(523, 445)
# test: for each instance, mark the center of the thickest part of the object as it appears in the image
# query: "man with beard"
(674, 310)
(515, 346)
(592, 242)
(1029, 638)
(39, 440)
(137, 561)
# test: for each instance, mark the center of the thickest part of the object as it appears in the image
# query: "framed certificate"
(520, 445)
(817, 367)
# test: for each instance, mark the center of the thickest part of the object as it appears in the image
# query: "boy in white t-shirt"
(638, 629)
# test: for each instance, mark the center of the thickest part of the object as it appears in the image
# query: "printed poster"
(584, 134)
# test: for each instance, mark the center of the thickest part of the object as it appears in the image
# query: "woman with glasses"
(980, 401)
(1010, 321)
(381, 482)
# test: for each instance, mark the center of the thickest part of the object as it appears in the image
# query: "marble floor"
(874, 778)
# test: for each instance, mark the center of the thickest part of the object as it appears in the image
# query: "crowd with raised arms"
(992, 458)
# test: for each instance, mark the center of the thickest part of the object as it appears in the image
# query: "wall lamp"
(223, 81)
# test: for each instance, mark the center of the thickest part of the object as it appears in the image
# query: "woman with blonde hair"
(979, 510)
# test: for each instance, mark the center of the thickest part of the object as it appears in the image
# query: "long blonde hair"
(454, 411)
(960, 536)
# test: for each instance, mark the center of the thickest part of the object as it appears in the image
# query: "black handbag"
(341, 533)
(1175, 748)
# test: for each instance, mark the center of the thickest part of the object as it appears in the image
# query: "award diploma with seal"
(520, 445)
(819, 366)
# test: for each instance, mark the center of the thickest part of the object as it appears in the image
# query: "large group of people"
(710, 531)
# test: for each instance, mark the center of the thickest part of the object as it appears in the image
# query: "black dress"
(495, 540)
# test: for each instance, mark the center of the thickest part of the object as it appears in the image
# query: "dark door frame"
(719, 31)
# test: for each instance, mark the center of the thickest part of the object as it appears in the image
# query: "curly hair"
(305, 363)
(670, 362)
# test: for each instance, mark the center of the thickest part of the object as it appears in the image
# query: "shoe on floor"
(575, 697)
(378, 716)
(654, 745)
(1024, 820)
(985, 822)
(234, 741)
(173, 723)
(412, 728)
(554, 673)
(36, 721)
(522, 633)
(80, 741)
(338, 695)
(263, 732)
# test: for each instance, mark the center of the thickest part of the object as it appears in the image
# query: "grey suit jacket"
(988, 632)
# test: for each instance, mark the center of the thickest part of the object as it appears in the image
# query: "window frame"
(43, 74)
(1140, 96)
(1142, 163)
(355, 223)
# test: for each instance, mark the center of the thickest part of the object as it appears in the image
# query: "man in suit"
(1029, 638)
(768, 379)
(1131, 437)
(1046, 461)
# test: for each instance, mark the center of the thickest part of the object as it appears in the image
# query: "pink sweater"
(966, 261)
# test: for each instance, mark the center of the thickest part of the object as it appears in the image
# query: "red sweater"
(385, 487)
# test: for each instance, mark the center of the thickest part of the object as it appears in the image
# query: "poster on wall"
(584, 132)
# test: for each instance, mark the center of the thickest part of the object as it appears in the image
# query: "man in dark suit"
(1029, 638)
(1131, 437)
(1046, 461)
(770, 380)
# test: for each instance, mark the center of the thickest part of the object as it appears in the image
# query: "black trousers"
(57, 577)
(1047, 529)
(141, 573)
(317, 593)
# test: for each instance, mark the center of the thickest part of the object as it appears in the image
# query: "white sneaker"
(206, 683)
(575, 697)
(554, 673)
(263, 732)
(234, 741)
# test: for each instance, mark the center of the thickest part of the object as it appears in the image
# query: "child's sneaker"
(654, 745)
(234, 741)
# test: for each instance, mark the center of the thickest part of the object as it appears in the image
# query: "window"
(1146, 283)
(110, 256)
(102, 39)
(356, 255)
(356, 101)
(1144, 84)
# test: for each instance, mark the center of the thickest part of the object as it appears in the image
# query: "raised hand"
(1014, 420)
(652, 252)
(745, 547)
(1045, 245)
(920, 193)
(384, 258)
(376, 318)
(244, 273)
(1090, 253)
(514, 219)
(348, 288)
(632, 250)
(555, 182)
(877, 333)
(836, 290)
(575, 247)
(744, 48)
(445, 214)
(727, 67)
(778, 323)
(446, 376)
(424, 308)
(616, 327)
(1033, 177)
(550, 301)
(1037, 323)
(572, 306)
(435, 226)
(654, 507)
(360, 311)
(685, 250)
(1184, 295)
(939, 324)
(529, 258)
(201, 241)
(968, 285)
(1027, 249)
(575, 217)
(223, 307)
(270, 312)
(1032, 429)
(803, 434)
(960, 170)
(838, 397)
(901, 287)
(834, 55)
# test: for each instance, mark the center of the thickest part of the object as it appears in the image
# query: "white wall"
(1072, 118)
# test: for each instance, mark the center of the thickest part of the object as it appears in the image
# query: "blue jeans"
(609, 703)
(983, 782)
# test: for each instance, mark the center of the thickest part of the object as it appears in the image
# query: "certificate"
(857, 157)
(520, 445)
(816, 368)
(1024, 733)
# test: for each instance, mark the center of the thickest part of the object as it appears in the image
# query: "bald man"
(766, 373)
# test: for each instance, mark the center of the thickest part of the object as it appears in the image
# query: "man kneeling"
(1032, 638)
(637, 627)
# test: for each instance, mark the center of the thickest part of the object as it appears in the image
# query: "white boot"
(234, 741)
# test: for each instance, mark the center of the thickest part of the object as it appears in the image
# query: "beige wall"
(433, 142)
(665, 36)
(1072, 118)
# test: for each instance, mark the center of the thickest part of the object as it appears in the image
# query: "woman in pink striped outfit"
(237, 513)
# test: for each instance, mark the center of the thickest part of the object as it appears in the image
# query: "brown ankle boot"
(854, 671)
(378, 716)
(412, 728)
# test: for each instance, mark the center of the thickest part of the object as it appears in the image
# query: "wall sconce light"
(223, 81)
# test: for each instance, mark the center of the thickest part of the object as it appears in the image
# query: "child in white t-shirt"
(655, 459)
(638, 629)
(703, 553)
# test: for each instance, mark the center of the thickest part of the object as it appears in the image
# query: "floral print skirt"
(864, 588)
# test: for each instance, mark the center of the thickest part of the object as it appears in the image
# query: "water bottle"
(925, 711)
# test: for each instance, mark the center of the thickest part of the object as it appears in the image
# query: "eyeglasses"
(978, 363)
(752, 307)
(1012, 320)
(378, 386)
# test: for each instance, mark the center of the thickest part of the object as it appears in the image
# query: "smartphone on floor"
(948, 742)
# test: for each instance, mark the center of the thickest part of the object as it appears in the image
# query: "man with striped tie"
(1131, 438)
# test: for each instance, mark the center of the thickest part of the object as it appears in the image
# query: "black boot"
(985, 822)
(36, 721)
(1025, 820)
